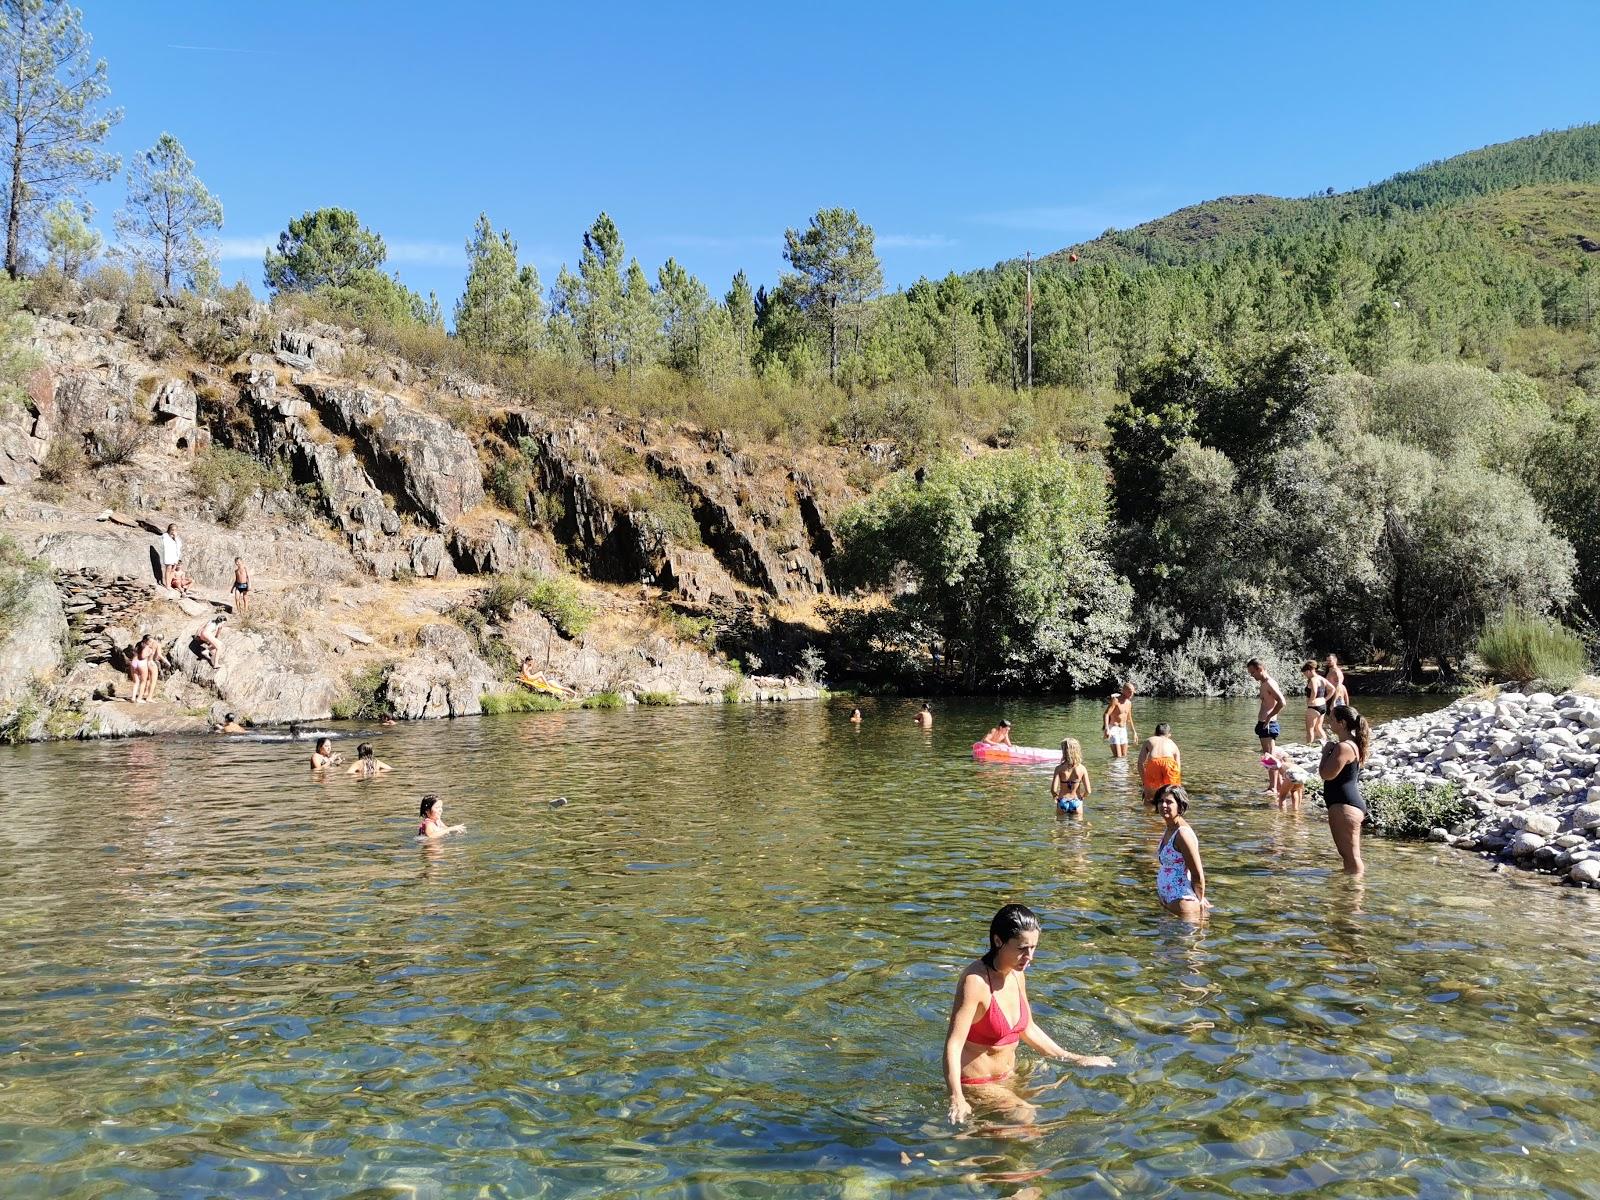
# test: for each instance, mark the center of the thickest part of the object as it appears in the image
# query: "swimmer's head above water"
(1013, 938)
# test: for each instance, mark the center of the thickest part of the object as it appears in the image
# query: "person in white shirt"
(171, 556)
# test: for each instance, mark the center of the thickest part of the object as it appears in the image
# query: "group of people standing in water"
(990, 1015)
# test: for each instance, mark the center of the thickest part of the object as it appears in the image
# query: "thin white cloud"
(1061, 218)
(231, 249)
(405, 254)
(914, 241)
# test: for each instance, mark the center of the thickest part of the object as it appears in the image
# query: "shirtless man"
(1000, 735)
(241, 587)
(925, 717)
(1160, 762)
(1267, 711)
(230, 724)
(1341, 692)
(1117, 725)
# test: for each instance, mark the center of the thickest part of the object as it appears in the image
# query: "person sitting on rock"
(366, 766)
(206, 639)
(323, 755)
(230, 724)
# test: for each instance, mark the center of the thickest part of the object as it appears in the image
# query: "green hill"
(1212, 228)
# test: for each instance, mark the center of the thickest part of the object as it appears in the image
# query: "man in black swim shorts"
(1271, 704)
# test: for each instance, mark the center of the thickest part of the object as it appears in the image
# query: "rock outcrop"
(1530, 764)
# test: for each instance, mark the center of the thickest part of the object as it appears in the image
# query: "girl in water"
(431, 811)
(366, 766)
(1340, 771)
(991, 1015)
(1070, 787)
(1180, 875)
(323, 755)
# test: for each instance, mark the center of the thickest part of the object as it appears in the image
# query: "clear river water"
(723, 969)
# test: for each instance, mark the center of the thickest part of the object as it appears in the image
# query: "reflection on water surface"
(723, 969)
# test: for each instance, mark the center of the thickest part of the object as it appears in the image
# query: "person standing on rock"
(241, 587)
(1340, 771)
(145, 669)
(1117, 723)
(171, 557)
(1271, 704)
(1319, 694)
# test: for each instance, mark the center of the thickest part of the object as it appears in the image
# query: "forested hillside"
(1366, 422)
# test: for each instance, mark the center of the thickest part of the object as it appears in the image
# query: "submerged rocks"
(1531, 765)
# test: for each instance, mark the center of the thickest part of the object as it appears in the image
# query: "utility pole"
(1027, 308)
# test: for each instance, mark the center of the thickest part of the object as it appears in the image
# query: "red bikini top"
(991, 1029)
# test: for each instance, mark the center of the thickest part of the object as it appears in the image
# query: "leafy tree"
(490, 313)
(1005, 561)
(168, 213)
(325, 248)
(1563, 472)
(836, 273)
(51, 119)
(70, 241)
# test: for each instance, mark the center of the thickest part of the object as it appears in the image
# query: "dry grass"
(1589, 686)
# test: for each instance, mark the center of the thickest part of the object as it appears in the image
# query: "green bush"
(365, 699)
(1521, 647)
(556, 597)
(229, 478)
(64, 461)
(658, 699)
(665, 503)
(603, 700)
(1404, 810)
(18, 571)
(518, 700)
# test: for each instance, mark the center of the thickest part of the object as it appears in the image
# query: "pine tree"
(489, 313)
(51, 122)
(597, 312)
(837, 272)
(325, 248)
(683, 302)
(530, 311)
(741, 308)
(70, 241)
(641, 321)
(168, 214)
(958, 331)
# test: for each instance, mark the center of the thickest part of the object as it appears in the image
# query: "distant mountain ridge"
(1210, 229)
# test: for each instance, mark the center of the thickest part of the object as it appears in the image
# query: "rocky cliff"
(376, 505)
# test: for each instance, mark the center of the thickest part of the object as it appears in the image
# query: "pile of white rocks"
(1529, 763)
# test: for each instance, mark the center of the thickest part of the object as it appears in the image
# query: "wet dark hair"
(229, 717)
(1004, 724)
(428, 802)
(364, 750)
(321, 742)
(1254, 662)
(1176, 792)
(1163, 730)
(1360, 728)
(1007, 923)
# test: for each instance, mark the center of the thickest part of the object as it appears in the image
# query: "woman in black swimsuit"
(1318, 694)
(1340, 771)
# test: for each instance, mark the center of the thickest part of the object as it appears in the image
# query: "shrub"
(508, 483)
(1404, 810)
(731, 690)
(665, 503)
(658, 699)
(18, 571)
(365, 699)
(64, 461)
(229, 478)
(518, 700)
(1521, 646)
(556, 597)
(603, 700)
(116, 445)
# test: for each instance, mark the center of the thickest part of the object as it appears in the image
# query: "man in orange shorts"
(1160, 761)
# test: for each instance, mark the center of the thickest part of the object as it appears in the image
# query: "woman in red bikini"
(991, 1015)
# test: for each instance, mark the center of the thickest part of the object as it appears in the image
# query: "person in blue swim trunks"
(1069, 786)
(1271, 704)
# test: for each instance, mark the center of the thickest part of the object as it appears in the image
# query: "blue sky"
(963, 133)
